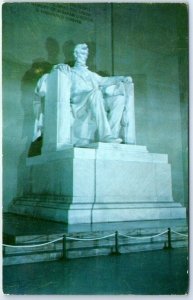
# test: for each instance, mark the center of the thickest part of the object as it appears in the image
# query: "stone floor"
(162, 272)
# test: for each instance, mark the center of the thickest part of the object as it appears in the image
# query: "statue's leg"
(96, 102)
(116, 106)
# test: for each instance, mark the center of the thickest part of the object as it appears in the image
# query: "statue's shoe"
(111, 140)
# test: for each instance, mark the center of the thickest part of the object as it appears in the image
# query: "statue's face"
(82, 56)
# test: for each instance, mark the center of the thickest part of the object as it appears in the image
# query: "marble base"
(39, 207)
(99, 183)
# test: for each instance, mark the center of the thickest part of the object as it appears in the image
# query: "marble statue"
(82, 172)
(101, 108)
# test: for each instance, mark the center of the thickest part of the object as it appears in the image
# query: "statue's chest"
(83, 81)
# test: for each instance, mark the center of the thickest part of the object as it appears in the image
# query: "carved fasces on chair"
(57, 111)
(128, 119)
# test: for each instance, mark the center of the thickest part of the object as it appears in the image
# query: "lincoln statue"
(99, 106)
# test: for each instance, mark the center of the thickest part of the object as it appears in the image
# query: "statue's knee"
(98, 101)
(122, 100)
(119, 101)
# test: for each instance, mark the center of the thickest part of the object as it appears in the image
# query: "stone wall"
(150, 43)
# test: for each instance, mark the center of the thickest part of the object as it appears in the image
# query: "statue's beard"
(81, 62)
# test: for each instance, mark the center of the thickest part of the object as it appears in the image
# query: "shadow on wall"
(39, 67)
(53, 50)
(68, 49)
(92, 55)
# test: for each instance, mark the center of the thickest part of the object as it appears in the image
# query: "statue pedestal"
(99, 183)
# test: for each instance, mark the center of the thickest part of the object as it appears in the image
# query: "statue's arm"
(113, 80)
(40, 92)
(37, 106)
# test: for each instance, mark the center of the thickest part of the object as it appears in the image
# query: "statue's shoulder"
(42, 79)
(95, 75)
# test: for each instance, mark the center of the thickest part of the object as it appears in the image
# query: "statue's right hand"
(62, 67)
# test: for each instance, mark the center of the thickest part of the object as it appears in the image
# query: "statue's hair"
(78, 48)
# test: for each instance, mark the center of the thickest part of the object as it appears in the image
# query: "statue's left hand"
(127, 79)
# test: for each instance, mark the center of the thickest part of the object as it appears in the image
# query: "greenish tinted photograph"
(95, 148)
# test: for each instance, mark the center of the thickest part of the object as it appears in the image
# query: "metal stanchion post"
(64, 247)
(169, 245)
(169, 239)
(116, 252)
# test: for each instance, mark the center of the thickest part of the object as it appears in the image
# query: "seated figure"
(100, 106)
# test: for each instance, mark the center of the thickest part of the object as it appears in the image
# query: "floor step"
(31, 257)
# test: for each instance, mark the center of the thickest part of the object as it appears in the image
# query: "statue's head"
(81, 53)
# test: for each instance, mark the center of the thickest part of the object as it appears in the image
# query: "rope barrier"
(56, 240)
(33, 246)
(95, 239)
(143, 237)
(182, 234)
(116, 234)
